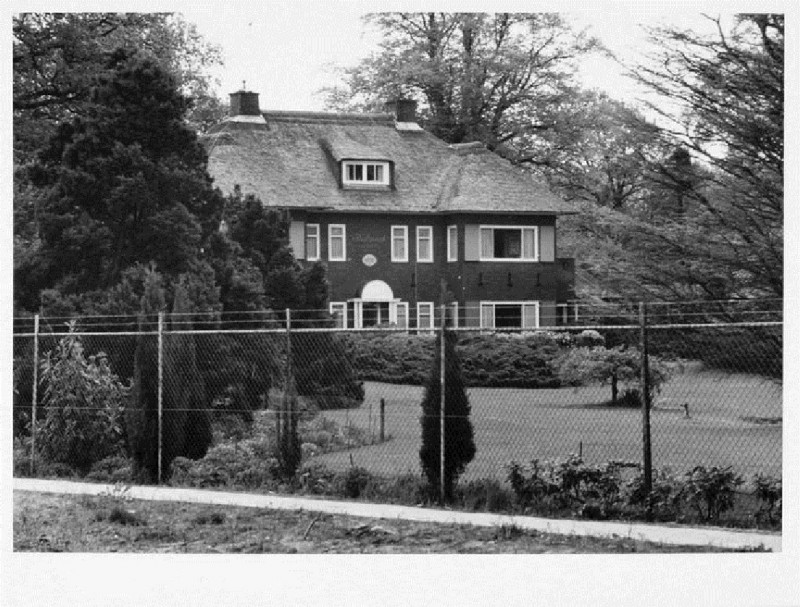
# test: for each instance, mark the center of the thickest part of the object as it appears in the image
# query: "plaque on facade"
(369, 260)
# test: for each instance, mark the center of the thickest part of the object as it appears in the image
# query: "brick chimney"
(404, 110)
(244, 103)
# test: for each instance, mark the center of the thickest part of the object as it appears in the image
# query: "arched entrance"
(376, 306)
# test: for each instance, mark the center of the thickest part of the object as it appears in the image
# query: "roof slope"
(291, 162)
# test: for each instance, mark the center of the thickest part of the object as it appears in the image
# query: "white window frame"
(429, 306)
(452, 243)
(401, 305)
(365, 165)
(522, 230)
(342, 307)
(312, 254)
(331, 227)
(421, 229)
(494, 304)
(404, 230)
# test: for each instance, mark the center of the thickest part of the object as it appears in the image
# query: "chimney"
(244, 103)
(404, 110)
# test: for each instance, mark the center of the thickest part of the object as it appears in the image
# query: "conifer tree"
(458, 435)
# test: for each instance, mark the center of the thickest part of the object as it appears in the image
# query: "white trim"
(493, 304)
(331, 227)
(429, 238)
(309, 250)
(429, 305)
(522, 230)
(365, 166)
(397, 307)
(452, 240)
(342, 305)
(405, 243)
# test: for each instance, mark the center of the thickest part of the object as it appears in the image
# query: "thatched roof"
(292, 162)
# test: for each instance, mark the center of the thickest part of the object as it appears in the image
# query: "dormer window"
(365, 173)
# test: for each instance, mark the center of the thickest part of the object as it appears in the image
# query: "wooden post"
(383, 419)
(35, 391)
(442, 399)
(645, 396)
(160, 392)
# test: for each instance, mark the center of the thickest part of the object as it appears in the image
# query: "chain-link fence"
(678, 385)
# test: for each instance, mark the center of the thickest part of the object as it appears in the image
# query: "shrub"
(243, 465)
(664, 501)
(84, 403)
(485, 495)
(114, 469)
(711, 491)
(459, 446)
(769, 491)
(353, 482)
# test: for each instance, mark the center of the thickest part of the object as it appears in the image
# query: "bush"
(243, 465)
(114, 469)
(665, 500)
(485, 495)
(84, 404)
(353, 482)
(711, 491)
(769, 491)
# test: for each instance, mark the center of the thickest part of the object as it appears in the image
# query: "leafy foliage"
(711, 490)
(84, 400)
(482, 77)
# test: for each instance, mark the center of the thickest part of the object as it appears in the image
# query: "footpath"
(665, 534)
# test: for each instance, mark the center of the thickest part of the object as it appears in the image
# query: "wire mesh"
(353, 398)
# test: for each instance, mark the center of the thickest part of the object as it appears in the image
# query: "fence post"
(160, 392)
(645, 396)
(35, 392)
(442, 398)
(383, 419)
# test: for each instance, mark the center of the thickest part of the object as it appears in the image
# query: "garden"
(548, 444)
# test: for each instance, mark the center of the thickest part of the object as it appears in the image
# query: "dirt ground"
(64, 523)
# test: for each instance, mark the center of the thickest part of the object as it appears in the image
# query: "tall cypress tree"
(458, 435)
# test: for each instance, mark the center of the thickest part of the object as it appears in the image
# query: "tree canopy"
(480, 77)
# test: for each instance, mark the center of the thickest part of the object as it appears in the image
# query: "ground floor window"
(365, 314)
(509, 314)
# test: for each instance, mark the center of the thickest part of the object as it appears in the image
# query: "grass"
(64, 523)
(724, 426)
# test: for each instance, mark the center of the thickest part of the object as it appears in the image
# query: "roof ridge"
(303, 116)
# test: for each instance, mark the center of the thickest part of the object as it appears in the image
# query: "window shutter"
(528, 243)
(472, 251)
(547, 243)
(297, 239)
(487, 316)
(529, 316)
(547, 314)
(472, 314)
(487, 243)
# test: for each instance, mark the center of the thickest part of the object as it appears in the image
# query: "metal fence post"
(442, 399)
(645, 396)
(160, 392)
(35, 394)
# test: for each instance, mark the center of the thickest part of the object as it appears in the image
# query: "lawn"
(733, 420)
(67, 523)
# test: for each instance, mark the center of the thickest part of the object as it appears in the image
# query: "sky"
(287, 52)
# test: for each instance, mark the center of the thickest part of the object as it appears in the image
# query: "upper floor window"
(508, 243)
(452, 243)
(399, 243)
(365, 173)
(312, 241)
(337, 246)
(424, 243)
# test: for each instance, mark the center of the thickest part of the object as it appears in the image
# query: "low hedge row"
(509, 360)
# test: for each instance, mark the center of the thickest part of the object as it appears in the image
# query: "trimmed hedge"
(508, 360)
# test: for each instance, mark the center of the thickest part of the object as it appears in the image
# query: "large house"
(401, 219)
